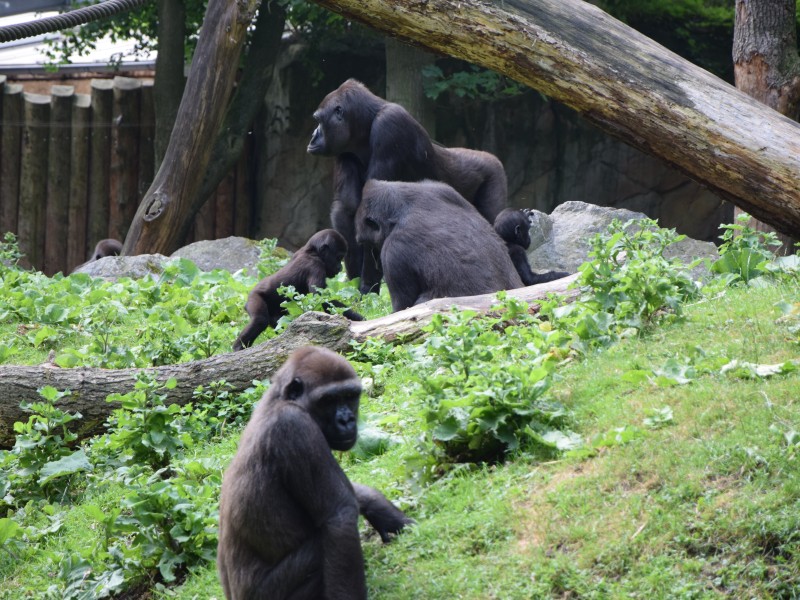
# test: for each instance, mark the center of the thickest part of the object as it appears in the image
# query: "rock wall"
(551, 156)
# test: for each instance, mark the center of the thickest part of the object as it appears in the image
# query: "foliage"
(627, 285)
(744, 252)
(145, 429)
(10, 254)
(40, 464)
(473, 83)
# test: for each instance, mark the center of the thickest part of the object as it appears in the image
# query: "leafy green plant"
(10, 254)
(42, 461)
(475, 83)
(744, 252)
(145, 429)
(483, 383)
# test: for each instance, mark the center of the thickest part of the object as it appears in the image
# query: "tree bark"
(259, 67)
(90, 387)
(156, 226)
(767, 66)
(404, 64)
(621, 81)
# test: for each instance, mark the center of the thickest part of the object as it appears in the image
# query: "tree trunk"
(157, 224)
(169, 79)
(767, 66)
(621, 81)
(259, 67)
(90, 387)
(404, 64)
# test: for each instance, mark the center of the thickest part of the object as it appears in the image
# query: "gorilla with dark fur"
(514, 227)
(432, 242)
(288, 515)
(307, 270)
(108, 247)
(375, 139)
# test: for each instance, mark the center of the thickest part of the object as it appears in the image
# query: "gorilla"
(375, 139)
(432, 242)
(513, 227)
(288, 515)
(307, 270)
(108, 247)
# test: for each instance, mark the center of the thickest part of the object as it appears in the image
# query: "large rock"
(560, 240)
(116, 267)
(230, 253)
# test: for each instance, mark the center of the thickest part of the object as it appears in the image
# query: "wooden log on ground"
(124, 155)
(33, 179)
(10, 150)
(77, 242)
(620, 80)
(58, 180)
(100, 162)
(90, 387)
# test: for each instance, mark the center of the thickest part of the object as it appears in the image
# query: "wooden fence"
(73, 168)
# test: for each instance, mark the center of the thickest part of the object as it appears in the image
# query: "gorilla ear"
(294, 390)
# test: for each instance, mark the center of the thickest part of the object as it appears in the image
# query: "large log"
(58, 179)
(33, 179)
(77, 244)
(100, 161)
(620, 80)
(90, 387)
(124, 155)
(10, 144)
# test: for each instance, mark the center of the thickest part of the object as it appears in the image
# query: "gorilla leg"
(343, 221)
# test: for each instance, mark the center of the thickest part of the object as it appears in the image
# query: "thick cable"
(80, 16)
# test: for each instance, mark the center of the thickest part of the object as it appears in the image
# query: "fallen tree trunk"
(623, 82)
(90, 387)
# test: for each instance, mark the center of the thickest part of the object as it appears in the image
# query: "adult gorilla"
(288, 515)
(375, 139)
(432, 242)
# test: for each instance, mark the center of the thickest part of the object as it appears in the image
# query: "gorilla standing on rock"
(375, 139)
(513, 226)
(288, 515)
(432, 242)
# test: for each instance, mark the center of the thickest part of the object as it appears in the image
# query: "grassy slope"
(706, 506)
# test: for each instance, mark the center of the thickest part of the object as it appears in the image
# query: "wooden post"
(58, 180)
(147, 134)
(10, 147)
(33, 179)
(99, 161)
(241, 209)
(224, 220)
(77, 243)
(124, 155)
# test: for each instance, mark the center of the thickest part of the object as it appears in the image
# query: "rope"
(73, 18)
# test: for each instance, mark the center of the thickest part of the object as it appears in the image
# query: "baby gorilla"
(432, 242)
(288, 515)
(307, 270)
(514, 227)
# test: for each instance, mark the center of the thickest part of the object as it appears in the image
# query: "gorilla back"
(433, 243)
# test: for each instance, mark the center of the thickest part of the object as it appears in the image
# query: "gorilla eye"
(295, 389)
(339, 111)
(371, 224)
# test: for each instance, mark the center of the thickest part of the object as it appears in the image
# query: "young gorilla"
(375, 139)
(307, 270)
(432, 242)
(513, 226)
(288, 515)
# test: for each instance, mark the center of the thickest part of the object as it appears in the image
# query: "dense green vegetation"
(641, 441)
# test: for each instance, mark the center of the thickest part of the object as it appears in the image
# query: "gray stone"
(560, 240)
(230, 253)
(116, 267)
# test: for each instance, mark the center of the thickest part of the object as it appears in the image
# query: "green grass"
(707, 506)
(681, 491)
